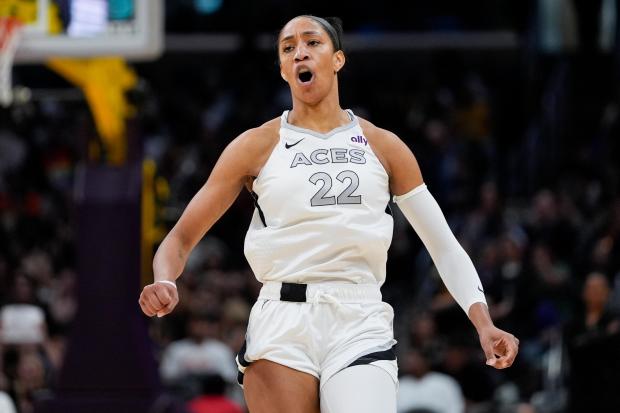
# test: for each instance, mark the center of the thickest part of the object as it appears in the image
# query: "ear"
(282, 72)
(339, 61)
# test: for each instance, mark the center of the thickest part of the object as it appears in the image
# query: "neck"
(594, 314)
(595, 309)
(321, 117)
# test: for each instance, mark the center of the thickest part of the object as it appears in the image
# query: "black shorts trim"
(241, 355)
(376, 356)
(242, 361)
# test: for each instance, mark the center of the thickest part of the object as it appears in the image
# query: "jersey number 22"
(345, 197)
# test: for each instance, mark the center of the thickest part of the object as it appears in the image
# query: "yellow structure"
(104, 81)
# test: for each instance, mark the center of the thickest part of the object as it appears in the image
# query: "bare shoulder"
(382, 141)
(380, 135)
(261, 138)
(253, 147)
(396, 157)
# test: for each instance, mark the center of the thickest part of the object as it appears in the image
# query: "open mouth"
(305, 76)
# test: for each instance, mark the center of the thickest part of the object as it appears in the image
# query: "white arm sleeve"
(454, 265)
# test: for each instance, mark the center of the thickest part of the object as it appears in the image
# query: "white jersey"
(321, 209)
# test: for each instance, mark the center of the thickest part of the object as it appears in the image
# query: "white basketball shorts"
(320, 329)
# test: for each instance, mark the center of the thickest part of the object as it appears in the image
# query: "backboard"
(132, 29)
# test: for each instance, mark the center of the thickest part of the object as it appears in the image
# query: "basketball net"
(10, 31)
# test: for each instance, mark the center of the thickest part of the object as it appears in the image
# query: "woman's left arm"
(453, 264)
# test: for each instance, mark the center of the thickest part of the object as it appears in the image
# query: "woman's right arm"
(242, 158)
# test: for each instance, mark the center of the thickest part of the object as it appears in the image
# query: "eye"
(287, 49)
(314, 43)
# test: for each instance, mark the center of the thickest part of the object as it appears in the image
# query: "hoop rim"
(10, 34)
(10, 27)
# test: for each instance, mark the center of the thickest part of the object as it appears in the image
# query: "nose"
(301, 53)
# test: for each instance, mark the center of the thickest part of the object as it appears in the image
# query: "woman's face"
(308, 62)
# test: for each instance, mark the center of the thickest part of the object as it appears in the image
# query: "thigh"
(273, 388)
(365, 337)
(359, 389)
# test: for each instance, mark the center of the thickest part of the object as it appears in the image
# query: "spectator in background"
(509, 277)
(6, 404)
(605, 252)
(31, 378)
(551, 288)
(549, 225)
(201, 353)
(423, 336)
(423, 390)
(13, 152)
(212, 398)
(24, 357)
(461, 361)
(593, 341)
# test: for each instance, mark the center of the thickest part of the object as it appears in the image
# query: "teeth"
(304, 70)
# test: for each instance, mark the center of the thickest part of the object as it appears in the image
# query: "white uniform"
(324, 199)
(322, 219)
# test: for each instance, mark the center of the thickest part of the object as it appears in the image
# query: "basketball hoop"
(10, 31)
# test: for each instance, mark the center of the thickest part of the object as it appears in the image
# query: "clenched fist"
(159, 298)
(500, 347)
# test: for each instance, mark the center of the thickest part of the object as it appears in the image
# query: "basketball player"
(319, 337)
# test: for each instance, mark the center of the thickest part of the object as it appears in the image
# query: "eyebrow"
(306, 33)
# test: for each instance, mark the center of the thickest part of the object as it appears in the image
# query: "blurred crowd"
(538, 212)
(37, 279)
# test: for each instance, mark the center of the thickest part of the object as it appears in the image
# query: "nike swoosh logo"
(481, 290)
(287, 146)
